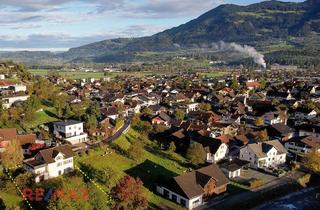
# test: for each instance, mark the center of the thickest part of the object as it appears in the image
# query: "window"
(183, 202)
(174, 198)
(166, 193)
(59, 164)
(196, 201)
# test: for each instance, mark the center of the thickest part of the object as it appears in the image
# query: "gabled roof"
(49, 155)
(192, 184)
(67, 123)
(261, 149)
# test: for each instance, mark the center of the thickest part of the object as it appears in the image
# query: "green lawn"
(213, 74)
(154, 163)
(42, 117)
(11, 200)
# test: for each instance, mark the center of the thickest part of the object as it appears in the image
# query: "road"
(307, 199)
(123, 129)
(244, 195)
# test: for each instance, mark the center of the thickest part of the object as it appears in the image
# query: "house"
(280, 131)
(215, 149)
(161, 118)
(233, 168)
(192, 189)
(264, 155)
(303, 145)
(8, 101)
(50, 163)
(8, 134)
(70, 131)
(110, 112)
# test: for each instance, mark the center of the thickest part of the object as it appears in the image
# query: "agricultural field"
(96, 75)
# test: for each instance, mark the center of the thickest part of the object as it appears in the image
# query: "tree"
(179, 114)
(135, 151)
(147, 111)
(263, 135)
(172, 147)
(91, 123)
(129, 194)
(312, 161)
(2, 204)
(159, 128)
(66, 112)
(196, 154)
(12, 156)
(94, 109)
(205, 106)
(262, 84)
(60, 102)
(235, 85)
(259, 121)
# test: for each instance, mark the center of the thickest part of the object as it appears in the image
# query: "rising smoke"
(245, 49)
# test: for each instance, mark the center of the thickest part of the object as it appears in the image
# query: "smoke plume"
(245, 49)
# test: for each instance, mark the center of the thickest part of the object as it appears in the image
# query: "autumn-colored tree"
(135, 151)
(159, 128)
(312, 161)
(179, 114)
(12, 156)
(259, 121)
(147, 111)
(205, 106)
(129, 194)
(196, 154)
(263, 135)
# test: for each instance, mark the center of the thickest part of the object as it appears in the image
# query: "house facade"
(303, 145)
(192, 189)
(264, 155)
(50, 163)
(70, 131)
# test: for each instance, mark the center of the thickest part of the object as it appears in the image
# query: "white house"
(8, 101)
(71, 131)
(303, 145)
(50, 163)
(264, 155)
(233, 167)
(190, 190)
(192, 107)
(215, 149)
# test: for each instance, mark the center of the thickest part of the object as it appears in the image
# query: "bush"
(256, 183)
(304, 180)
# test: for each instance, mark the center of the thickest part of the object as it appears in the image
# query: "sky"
(58, 25)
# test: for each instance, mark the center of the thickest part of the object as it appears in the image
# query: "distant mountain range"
(272, 27)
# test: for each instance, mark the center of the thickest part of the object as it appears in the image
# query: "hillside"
(272, 27)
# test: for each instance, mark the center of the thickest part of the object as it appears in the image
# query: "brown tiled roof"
(192, 184)
(311, 141)
(48, 155)
(260, 149)
(28, 138)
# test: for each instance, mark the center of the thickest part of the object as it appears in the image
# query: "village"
(193, 141)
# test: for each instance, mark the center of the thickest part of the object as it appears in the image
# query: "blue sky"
(62, 24)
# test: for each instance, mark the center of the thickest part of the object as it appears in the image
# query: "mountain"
(270, 26)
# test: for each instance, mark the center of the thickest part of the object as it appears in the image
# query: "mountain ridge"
(267, 26)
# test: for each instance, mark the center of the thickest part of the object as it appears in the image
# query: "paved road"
(244, 195)
(307, 199)
(123, 129)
